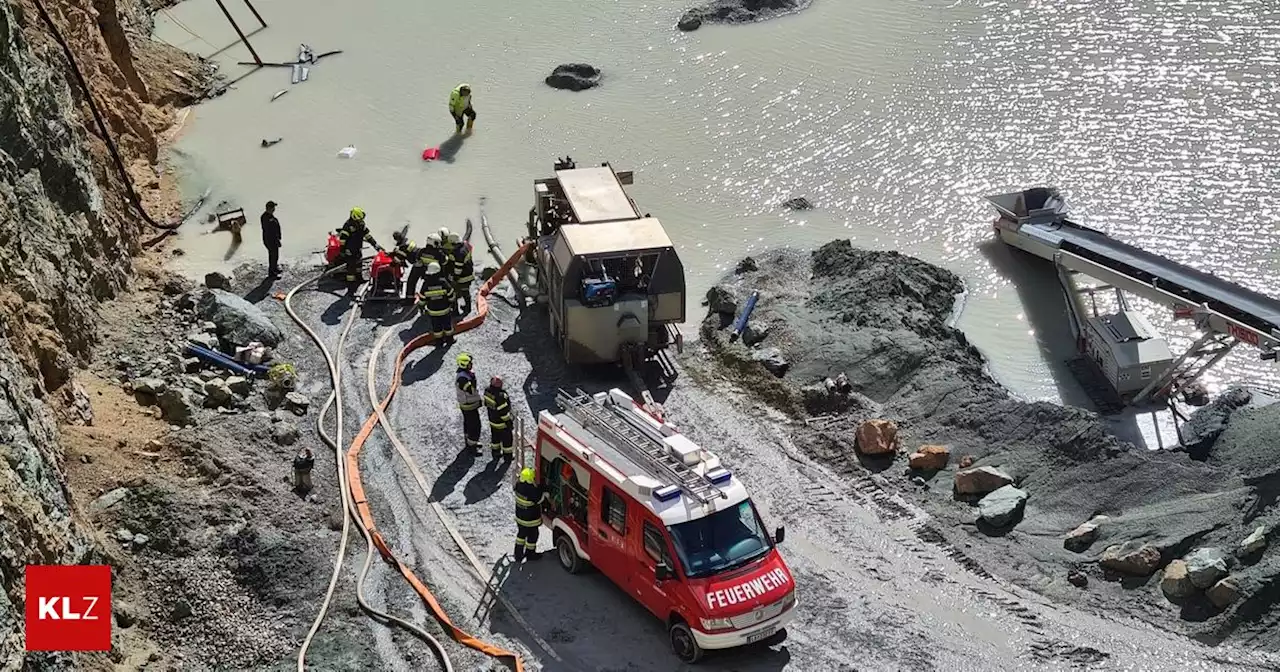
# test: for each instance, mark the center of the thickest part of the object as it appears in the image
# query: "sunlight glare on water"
(1157, 118)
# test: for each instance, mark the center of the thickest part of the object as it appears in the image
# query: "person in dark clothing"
(302, 465)
(438, 304)
(271, 239)
(469, 401)
(501, 439)
(353, 235)
(408, 253)
(529, 497)
(464, 272)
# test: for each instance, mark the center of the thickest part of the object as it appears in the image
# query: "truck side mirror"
(662, 572)
(779, 534)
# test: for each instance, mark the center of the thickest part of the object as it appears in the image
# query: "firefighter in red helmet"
(496, 401)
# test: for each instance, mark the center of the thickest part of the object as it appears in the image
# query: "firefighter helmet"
(496, 381)
(433, 239)
(399, 237)
(455, 238)
(357, 214)
(526, 475)
(464, 360)
(433, 268)
(444, 234)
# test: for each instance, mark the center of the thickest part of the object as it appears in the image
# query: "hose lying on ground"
(362, 504)
(333, 442)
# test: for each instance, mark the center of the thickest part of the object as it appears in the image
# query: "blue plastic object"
(219, 359)
(746, 314)
(666, 493)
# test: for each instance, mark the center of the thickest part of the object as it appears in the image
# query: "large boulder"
(574, 77)
(1080, 539)
(772, 360)
(1205, 566)
(738, 11)
(1134, 558)
(723, 300)
(981, 480)
(1207, 424)
(1002, 507)
(238, 321)
(877, 437)
(930, 458)
(1175, 583)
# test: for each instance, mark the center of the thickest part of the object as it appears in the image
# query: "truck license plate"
(763, 634)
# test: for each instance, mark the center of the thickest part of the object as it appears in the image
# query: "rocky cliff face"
(66, 241)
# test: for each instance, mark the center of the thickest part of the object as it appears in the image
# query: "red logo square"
(68, 608)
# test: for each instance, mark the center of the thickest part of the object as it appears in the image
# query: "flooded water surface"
(1159, 119)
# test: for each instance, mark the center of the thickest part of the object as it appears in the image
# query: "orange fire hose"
(357, 487)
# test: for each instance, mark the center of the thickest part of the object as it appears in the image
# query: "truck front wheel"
(567, 554)
(683, 644)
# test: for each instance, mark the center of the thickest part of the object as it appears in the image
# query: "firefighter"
(408, 253)
(501, 441)
(464, 272)
(302, 465)
(529, 498)
(438, 303)
(460, 106)
(444, 252)
(353, 235)
(469, 401)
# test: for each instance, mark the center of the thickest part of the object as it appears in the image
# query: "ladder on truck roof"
(621, 433)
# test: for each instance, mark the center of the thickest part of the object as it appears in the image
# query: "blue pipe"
(257, 368)
(219, 359)
(746, 314)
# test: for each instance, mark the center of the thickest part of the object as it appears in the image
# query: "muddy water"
(1155, 116)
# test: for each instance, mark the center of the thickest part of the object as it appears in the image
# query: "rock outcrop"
(67, 238)
(574, 77)
(738, 11)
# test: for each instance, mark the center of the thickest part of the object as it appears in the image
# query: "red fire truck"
(664, 520)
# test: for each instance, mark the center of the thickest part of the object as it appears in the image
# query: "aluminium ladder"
(591, 413)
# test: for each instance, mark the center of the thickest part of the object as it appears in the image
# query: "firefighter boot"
(519, 554)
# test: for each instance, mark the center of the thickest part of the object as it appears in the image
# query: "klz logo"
(68, 608)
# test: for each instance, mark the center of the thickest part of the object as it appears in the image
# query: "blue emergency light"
(666, 493)
(719, 476)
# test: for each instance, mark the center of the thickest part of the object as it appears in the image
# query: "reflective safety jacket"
(468, 395)
(437, 297)
(529, 498)
(353, 235)
(457, 101)
(499, 405)
(407, 253)
(464, 269)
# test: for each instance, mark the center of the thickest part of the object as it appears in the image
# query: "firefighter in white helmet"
(439, 242)
(501, 440)
(438, 304)
(529, 497)
(464, 271)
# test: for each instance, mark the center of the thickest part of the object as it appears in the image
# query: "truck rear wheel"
(568, 555)
(683, 644)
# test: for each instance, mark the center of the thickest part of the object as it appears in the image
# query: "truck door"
(609, 536)
(645, 586)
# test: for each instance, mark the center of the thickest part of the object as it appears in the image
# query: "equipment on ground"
(332, 249)
(386, 279)
(1122, 347)
(662, 518)
(613, 282)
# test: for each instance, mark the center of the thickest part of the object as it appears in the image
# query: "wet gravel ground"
(879, 589)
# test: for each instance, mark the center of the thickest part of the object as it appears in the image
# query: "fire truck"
(663, 519)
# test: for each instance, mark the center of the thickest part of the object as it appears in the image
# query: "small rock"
(772, 360)
(87, 459)
(574, 77)
(930, 458)
(1205, 566)
(204, 340)
(216, 280)
(284, 433)
(124, 536)
(1002, 507)
(216, 393)
(208, 326)
(206, 376)
(689, 22)
(177, 405)
(1223, 593)
(124, 615)
(297, 402)
(747, 265)
(967, 461)
(877, 437)
(981, 480)
(798, 203)
(722, 299)
(1254, 543)
(1132, 557)
(109, 500)
(124, 362)
(279, 416)
(1176, 583)
(181, 610)
(919, 482)
(753, 334)
(149, 386)
(1077, 579)
(191, 365)
(140, 540)
(175, 285)
(239, 385)
(1081, 538)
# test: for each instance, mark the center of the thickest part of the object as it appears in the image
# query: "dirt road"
(878, 589)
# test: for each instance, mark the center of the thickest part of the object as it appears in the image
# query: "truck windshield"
(720, 541)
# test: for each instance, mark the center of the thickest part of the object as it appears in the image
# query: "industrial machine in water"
(612, 281)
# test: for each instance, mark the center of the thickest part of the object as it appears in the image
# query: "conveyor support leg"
(1208, 350)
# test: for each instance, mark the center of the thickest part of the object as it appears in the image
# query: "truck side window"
(615, 511)
(654, 544)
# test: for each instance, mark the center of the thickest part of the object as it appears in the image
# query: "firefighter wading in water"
(529, 497)
(469, 401)
(501, 441)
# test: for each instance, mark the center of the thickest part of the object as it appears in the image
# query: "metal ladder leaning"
(633, 443)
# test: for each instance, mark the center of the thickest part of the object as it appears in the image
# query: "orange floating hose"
(357, 486)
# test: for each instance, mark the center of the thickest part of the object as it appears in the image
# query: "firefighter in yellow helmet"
(460, 106)
(529, 497)
(469, 401)
(353, 235)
